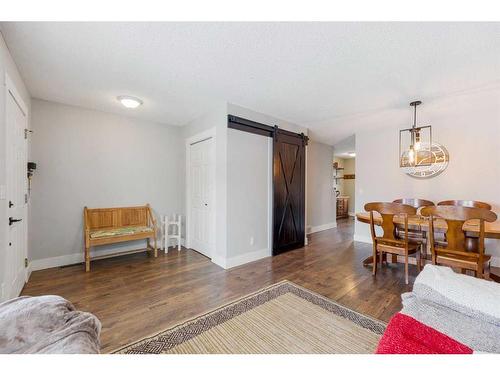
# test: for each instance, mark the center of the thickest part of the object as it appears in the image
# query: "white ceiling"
(345, 147)
(313, 74)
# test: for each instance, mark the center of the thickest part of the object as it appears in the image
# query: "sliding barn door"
(289, 191)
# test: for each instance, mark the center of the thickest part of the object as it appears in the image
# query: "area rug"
(282, 318)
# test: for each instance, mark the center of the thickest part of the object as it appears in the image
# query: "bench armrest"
(152, 218)
(85, 219)
(86, 227)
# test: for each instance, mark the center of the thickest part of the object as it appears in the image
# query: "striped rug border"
(182, 332)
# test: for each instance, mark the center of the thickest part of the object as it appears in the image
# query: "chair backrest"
(463, 203)
(115, 217)
(414, 202)
(455, 217)
(387, 211)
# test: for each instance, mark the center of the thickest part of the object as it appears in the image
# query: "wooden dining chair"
(414, 202)
(388, 242)
(415, 235)
(453, 252)
(465, 203)
(470, 242)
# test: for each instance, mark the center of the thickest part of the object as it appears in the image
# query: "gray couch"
(47, 324)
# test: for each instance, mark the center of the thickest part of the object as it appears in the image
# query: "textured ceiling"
(344, 147)
(315, 74)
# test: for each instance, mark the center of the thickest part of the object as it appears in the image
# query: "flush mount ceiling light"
(352, 154)
(129, 101)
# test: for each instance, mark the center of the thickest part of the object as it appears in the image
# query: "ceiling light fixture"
(411, 140)
(129, 101)
(352, 154)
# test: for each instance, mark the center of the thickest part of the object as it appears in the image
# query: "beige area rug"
(282, 318)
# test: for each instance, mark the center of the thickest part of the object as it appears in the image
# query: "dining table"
(421, 223)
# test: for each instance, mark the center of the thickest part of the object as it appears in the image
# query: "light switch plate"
(3, 192)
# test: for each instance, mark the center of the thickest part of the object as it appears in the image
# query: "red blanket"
(405, 335)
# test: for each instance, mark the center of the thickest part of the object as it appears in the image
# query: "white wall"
(345, 146)
(262, 118)
(468, 125)
(249, 202)
(96, 159)
(216, 118)
(321, 202)
(7, 66)
(242, 169)
(247, 152)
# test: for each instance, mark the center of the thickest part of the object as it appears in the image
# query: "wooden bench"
(103, 226)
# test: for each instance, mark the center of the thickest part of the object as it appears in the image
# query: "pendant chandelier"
(415, 143)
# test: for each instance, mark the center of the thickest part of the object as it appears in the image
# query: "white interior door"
(202, 182)
(16, 194)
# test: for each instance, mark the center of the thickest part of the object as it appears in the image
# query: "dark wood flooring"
(138, 295)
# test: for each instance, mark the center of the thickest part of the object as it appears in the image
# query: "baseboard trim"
(239, 260)
(76, 258)
(221, 262)
(63, 260)
(320, 228)
(361, 238)
(247, 258)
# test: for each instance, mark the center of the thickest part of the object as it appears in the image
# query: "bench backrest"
(115, 217)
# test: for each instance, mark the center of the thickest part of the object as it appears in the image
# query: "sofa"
(446, 313)
(47, 324)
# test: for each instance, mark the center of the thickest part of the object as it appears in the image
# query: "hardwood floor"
(138, 295)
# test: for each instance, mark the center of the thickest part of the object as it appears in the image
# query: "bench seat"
(104, 226)
(111, 232)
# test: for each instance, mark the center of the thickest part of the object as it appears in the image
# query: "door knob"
(12, 220)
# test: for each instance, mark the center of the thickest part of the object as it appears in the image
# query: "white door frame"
(207, 134)
(270, 196)
(11, 90)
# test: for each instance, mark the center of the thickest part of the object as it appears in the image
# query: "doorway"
(200, 175)
(344, 169)
(288, 182)
(289, 191)
(16, 191)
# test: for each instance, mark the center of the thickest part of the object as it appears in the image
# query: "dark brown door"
(289, 191)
